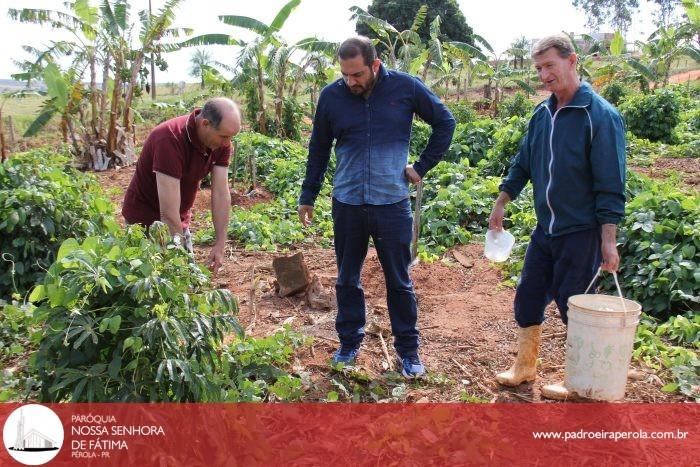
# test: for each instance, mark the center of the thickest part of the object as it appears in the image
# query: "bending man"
(176, 156)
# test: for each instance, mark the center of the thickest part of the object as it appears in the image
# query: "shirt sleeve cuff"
(306, 199)
(608, 220)
(510, 192)
(420, 169)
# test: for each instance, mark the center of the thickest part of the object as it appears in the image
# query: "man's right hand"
(496, 217)
(306, 214)
(498, 212)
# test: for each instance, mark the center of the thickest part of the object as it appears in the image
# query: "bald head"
(218, 122)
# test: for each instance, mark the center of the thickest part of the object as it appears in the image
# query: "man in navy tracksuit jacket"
(574, 155)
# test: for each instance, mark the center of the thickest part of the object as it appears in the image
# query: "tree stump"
(292, 274)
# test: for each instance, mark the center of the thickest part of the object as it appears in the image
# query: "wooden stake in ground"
(253, 170)
(3, 150)
(416, 222)
(252, 294)
(235, 165)
(386, 352)
(11, 132)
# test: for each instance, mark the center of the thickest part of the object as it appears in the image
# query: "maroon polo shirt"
(174, 149)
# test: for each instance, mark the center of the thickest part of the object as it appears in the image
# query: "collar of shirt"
(191, 134)
(582, 97)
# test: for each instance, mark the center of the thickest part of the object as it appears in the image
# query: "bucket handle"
(619, 291)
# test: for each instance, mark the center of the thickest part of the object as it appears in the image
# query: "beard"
(366, 88)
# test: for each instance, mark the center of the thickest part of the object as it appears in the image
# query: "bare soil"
(685, 77)
(465, 318)
(688, 168)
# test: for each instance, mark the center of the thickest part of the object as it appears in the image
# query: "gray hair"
(559, 41)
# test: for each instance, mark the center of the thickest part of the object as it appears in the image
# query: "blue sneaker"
(411, 367)
(345, 354)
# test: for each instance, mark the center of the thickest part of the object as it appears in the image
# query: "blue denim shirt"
(372, 139)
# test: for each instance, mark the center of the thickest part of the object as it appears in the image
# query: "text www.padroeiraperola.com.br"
(611, 435)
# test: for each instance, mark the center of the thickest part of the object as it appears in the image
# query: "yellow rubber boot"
(525, 366)
(557, 392)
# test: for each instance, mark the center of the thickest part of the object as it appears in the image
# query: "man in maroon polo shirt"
(176, 156)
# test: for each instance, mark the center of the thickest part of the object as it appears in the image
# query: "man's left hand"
(216, 257)
(611, 258)
(411, 174)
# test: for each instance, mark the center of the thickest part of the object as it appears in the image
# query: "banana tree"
(666, 45)
(587, 54)
(401, 48)
(65, 95)
(518, 50)
(153, 29)
(280, 64)
(467, 59)
(499, 75)
(253, 53)
(317, 71)
(103, 36)
(81, 21)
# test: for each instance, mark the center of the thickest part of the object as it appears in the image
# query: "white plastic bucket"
(498, 245)
(599, 341)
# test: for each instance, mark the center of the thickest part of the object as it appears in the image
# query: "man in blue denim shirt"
(369, 113)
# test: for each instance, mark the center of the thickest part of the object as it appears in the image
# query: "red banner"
(351, 434)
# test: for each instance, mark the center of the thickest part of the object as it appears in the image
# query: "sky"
(500, 22)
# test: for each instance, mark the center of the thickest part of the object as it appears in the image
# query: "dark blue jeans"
(555, 269)
(390, 226)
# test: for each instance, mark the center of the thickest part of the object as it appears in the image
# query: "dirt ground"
(685, 77)
(688, 168)
(465, 319)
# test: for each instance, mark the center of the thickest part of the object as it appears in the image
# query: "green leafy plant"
(254, 368)
(652, 116)
(463, 112)
(654, 346)
(43, 202)
(659, 242)
(471, 141)
(615, 93)
(517, 106)
(128, 318)
(506, 142)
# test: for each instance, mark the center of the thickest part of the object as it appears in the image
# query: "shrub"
(652, 116)
(458, 201)
(43, 202)
(463, 112)
(614, 92)
(517, 106)
(292, 115)
(130, 319)
(267, 150)
(659, 241)
(420, 132)
(506, 141)
(471, 141)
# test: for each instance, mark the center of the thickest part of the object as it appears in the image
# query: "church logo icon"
(33, 434)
